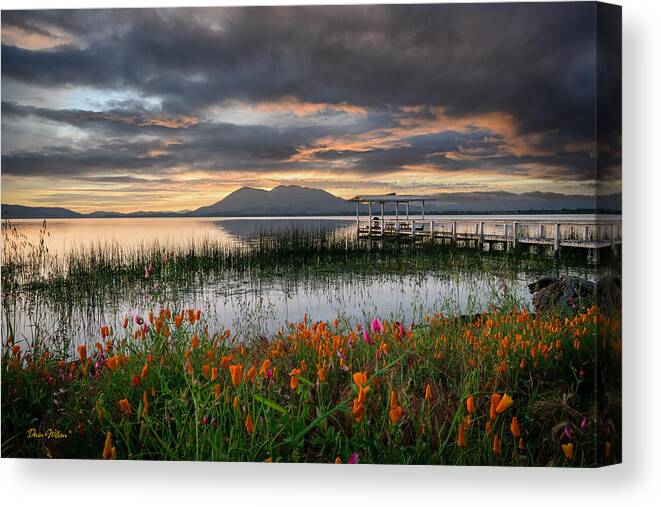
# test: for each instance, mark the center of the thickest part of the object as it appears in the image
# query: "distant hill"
(282, 200)
(301, 201)
(17, 211)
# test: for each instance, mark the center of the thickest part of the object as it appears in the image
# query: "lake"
(251, 275)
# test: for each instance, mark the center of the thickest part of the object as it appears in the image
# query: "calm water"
(249, 306)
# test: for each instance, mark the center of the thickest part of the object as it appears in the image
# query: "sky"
(172, 109)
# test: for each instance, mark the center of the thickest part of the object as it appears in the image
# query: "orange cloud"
(294, 105)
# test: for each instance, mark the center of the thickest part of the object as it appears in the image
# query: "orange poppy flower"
(360, 378)
(134, 380)
(358, 410)
(108, 448)
(396, 411)
(236, 371)
(235, 403)
(461, 438)
(321, 373)
(293, 382)
(362, 394)
(125, 406)
(470, 404)
(206, 369)
(225, 361)
(145, 370)
(214, 373)
(250, 427)
(496, 444)
(195, 341)
(495, 400)
(216, 389)
(145, 404)
(252, 373)
(514, 427)
(82, 352)
(338, 461)
(504, 404)
(568, 450)
(263, 371)
(522, 444)
(428, 393)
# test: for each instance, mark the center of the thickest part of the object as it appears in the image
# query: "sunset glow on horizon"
(173, 109)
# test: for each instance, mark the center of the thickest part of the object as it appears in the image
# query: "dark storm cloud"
(533, 62)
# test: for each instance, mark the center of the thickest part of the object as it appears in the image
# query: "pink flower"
(353, 459)
(366, 337)
(568, 432)
(377, 325)
(584, 424)
(138, 320)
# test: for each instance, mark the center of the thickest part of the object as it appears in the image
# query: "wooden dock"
(592, 234)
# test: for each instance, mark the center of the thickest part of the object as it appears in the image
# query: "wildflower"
(321, 374)
(428, 393)
(236, 371)
(584, 424)
(82, 352)
(134, 380)
(145, 370)
(263, 370)
(377, 325)
(461, 438)
(568, 450)
(568, 433)
(195, 341)
(514, 427)
(521, 444)
(138, 320)
(206, 369)
(214, 373)
(125, 323)
(293, 382)
(360, 378)
(358, 410)
(495, 400)
(145, 404)
(225, 361)
(268, 460)
(250, 427)
(504, 404)
(396, 410)
(205, 419)
(338, 461)
(125, 406)
(353, 459)
(366, 337)
(235, 403)
(470, 404)
(496, 444)
(108, 449)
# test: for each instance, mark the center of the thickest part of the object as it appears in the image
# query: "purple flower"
(568, 433)
(205, 420)
(353, 459)
(377, 325)
(145, 328)
(138, 320)
(584, 424)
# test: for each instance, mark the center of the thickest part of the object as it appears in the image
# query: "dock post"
(454, 232)
(556, 242)
(481, 233)
(358, 217)
(586, 233)
(369, 224)
(413, 229)
(515, 234)
(613, 237)
(383, 222)
(431, 228)
(396, 218)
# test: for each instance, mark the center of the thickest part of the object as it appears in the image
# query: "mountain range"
(293, 200)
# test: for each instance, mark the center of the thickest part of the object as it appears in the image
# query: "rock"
(569, 294)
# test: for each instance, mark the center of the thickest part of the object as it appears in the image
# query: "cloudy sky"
(173, 109)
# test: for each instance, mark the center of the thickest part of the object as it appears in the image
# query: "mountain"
(294, 201)
(17, 211)
(282, 200)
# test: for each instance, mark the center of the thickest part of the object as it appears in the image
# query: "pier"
(592, 234)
